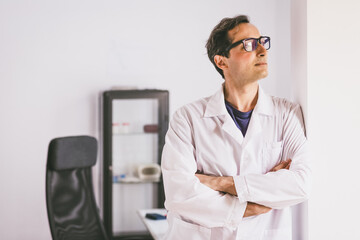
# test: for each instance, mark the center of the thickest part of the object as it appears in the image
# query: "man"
(234, 162)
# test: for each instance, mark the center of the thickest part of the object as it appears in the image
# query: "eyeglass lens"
(251, 44)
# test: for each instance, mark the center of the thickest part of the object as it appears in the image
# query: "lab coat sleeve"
(282, 188)
(185, 195)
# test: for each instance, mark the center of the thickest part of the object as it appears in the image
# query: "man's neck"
(244, 97)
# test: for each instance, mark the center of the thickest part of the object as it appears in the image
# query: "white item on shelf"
(115, 128)
(125, 127)
(149, 171)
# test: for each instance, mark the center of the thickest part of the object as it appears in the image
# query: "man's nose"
(261, 51)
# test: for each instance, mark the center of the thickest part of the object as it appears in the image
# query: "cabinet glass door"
(135, 145)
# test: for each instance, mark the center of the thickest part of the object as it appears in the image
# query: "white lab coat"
(203, 137)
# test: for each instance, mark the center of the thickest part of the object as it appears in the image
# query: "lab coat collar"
(216, 105)
(265, 104)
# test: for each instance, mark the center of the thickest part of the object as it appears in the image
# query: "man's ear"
(220, 62)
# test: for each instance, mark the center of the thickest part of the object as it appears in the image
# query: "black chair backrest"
(72, 209)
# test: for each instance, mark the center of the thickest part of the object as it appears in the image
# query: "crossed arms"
(227, 185)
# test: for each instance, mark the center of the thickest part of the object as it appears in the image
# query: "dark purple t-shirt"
(241, 119)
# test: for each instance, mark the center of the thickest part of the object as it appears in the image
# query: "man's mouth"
(261, 64)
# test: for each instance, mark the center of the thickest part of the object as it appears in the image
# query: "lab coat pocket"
(184, 230)
(271, 155)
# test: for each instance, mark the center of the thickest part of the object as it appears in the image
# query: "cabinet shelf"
(135, 181)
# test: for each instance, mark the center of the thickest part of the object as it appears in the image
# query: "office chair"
(71, 206)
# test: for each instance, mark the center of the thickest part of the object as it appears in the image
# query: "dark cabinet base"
(133, 237)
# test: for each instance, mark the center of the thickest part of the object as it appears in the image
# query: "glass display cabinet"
(134, 126)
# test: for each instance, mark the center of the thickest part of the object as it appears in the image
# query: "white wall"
(57, 56)
(334, 117)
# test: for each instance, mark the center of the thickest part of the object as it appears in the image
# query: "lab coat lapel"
(230, 127)
(264, 108)
(254, 130)
(216, 108)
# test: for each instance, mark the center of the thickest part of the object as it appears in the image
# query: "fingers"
(283, 165)
(279, 166)
(263, 209)
(288, 165)
(253, 209)
(260, 209)
(205, 179)
(201, 177)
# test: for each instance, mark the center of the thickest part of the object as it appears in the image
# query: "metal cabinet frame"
(107, 116)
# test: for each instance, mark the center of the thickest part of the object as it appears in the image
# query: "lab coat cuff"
(242, 189)
(236, 215)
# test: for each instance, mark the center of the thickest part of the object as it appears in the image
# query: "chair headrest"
(72, 152)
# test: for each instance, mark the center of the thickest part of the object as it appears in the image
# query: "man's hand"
(283, 165)
(253, 209)
(221, 184)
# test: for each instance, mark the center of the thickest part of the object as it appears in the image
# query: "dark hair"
(219, 39)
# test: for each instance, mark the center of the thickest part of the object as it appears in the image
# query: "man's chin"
(263, 75)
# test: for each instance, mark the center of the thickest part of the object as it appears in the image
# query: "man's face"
(242, 66)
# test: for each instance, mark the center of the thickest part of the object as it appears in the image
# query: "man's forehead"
(243, 30)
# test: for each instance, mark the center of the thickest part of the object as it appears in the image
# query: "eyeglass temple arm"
(233, 45)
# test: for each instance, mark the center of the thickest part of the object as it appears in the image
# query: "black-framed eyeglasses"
(250, 44)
